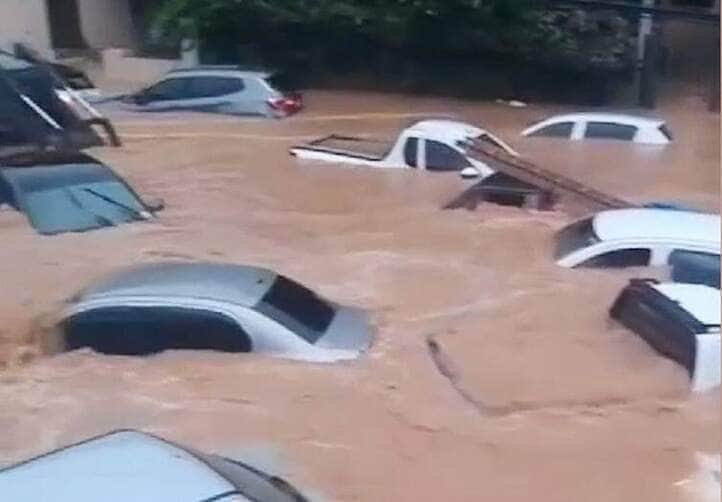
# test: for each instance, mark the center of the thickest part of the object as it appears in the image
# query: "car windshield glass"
(576, 236)
(297, 308)
(74, 198)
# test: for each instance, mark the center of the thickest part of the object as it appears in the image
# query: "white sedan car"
(637, 238)
(605, 126)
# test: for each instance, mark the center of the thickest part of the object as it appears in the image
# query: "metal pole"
(645, 29)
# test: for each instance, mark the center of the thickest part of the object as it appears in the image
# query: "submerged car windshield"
(578, 235)
(297, 308)
(73, 198)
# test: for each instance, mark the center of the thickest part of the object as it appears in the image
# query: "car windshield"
(297, 308)
(76, 200)
(578, 235)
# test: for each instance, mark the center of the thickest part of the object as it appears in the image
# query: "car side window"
(148, 330)
(166, 90)
(441, 157)
(610, 130)
(558, 130)
(695, 267)
(621, 258)
(410, 150)
(210, 87)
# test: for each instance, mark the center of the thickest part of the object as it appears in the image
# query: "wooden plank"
(570, 192)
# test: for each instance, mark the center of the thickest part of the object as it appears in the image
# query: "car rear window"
(578, 235)
(663, 324)
(297, 308)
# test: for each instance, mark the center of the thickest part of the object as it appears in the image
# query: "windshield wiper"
(101, 220)
(130, 210)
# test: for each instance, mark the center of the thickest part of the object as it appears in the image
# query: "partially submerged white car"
(680, 321)
(637, 237)
(595, 125)
(433, 145)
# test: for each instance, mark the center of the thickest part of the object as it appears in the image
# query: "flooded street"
(493, 375)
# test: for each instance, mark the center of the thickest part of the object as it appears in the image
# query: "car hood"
(349, 330)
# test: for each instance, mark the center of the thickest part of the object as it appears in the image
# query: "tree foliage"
(366, 30)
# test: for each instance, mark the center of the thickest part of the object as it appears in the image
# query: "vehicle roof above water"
(94, 470)
(446, 128)
(703, 302)
(224, 70)
(227, 283)
(657, 224)
(617, 118)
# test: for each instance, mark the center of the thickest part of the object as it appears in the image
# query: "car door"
(141, 330)
(215, 94)
(166, 95)
(441, 157)
(609, 131)
(411, 152)
(619, 258)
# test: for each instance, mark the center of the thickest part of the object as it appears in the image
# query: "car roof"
(220, 70)
(657, 224)
(702, 301)
(619, 118)
(446, 128)
(117, 467)
(227, 283)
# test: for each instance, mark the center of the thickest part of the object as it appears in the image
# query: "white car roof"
(703, 302)
(658, 224)
(195, 72)
(119, 467)
(446, 129)
(617, 118)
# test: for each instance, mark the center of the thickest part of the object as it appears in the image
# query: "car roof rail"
(227, 67)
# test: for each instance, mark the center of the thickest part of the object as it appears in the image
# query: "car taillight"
(286, 103)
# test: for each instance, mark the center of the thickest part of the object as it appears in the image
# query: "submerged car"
(680, 321)
(638, 237)
(211, 306)
(220, 89)
(437, 145)
(69, 192)
(605, 126)
(128, 465)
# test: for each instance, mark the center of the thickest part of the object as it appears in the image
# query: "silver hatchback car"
(211, 306)
(220, 89)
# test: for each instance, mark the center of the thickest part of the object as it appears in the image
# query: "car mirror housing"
(154, 204)
(469, 172)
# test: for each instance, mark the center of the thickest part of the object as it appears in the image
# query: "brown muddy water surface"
(494, 375)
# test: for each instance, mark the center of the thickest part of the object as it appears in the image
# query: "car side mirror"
(155, 204)
(142, 98)
(469, 172)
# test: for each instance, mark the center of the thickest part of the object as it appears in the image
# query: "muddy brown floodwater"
(494, 375)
